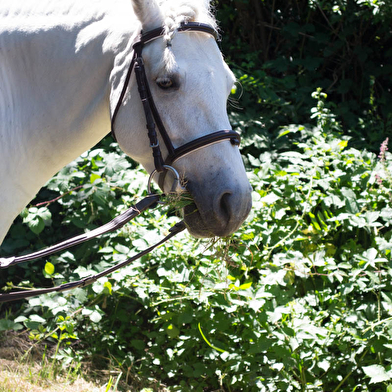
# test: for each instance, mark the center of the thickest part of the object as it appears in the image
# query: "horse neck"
(54, 100)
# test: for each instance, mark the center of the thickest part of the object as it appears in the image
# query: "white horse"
(62, 67)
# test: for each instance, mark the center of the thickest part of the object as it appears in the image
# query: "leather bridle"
(162, 166)
(153, 119)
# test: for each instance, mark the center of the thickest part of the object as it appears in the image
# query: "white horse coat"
(62, 66)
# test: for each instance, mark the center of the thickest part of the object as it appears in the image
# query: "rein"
(162, 166)
(148, 202)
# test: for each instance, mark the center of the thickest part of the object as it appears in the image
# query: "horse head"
(190, 83)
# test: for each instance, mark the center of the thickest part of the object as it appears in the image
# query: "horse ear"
(148, 13)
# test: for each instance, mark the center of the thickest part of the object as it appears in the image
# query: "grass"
(23, 377)
(18, 377)
(38, 372)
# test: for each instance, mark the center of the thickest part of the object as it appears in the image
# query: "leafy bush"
(299, 299)
(282, 50)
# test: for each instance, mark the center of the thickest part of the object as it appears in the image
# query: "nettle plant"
(299, 299)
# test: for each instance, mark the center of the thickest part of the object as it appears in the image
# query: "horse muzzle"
(216, 210)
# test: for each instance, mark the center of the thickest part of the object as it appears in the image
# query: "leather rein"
(162, 166)
(148, 202)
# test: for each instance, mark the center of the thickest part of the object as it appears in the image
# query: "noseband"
(153, 119)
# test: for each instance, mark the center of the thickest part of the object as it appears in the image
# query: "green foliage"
(283, 50)
(36, 218)
(299, 299)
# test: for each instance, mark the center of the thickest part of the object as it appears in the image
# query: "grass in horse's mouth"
(221, 246)
(180, 201)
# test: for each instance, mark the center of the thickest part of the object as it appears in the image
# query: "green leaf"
(94, 177)
(20, 319)
(172, 331)
(107, 285)
(185, 318)
(245, 286)
(6, 325)
(256, 304)
(138, 344)
(34, 322)
(377, 373)
(95, 317)
(37, 319)
(49, 268)
(44, 213)
(24, 213)
(271, 198)
(284, 133)
(350, 199)
(36, 225)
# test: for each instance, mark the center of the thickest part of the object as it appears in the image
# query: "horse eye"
(165, 83)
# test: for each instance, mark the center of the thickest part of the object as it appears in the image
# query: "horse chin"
(195, 224)
(200, 228)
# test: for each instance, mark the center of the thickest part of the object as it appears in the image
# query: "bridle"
(153, 119)
(162, 166)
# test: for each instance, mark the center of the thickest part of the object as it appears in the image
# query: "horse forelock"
(173, 13)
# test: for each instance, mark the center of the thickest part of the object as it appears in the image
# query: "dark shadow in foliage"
(282, 50)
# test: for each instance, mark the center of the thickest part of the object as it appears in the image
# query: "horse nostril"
(225, 208)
